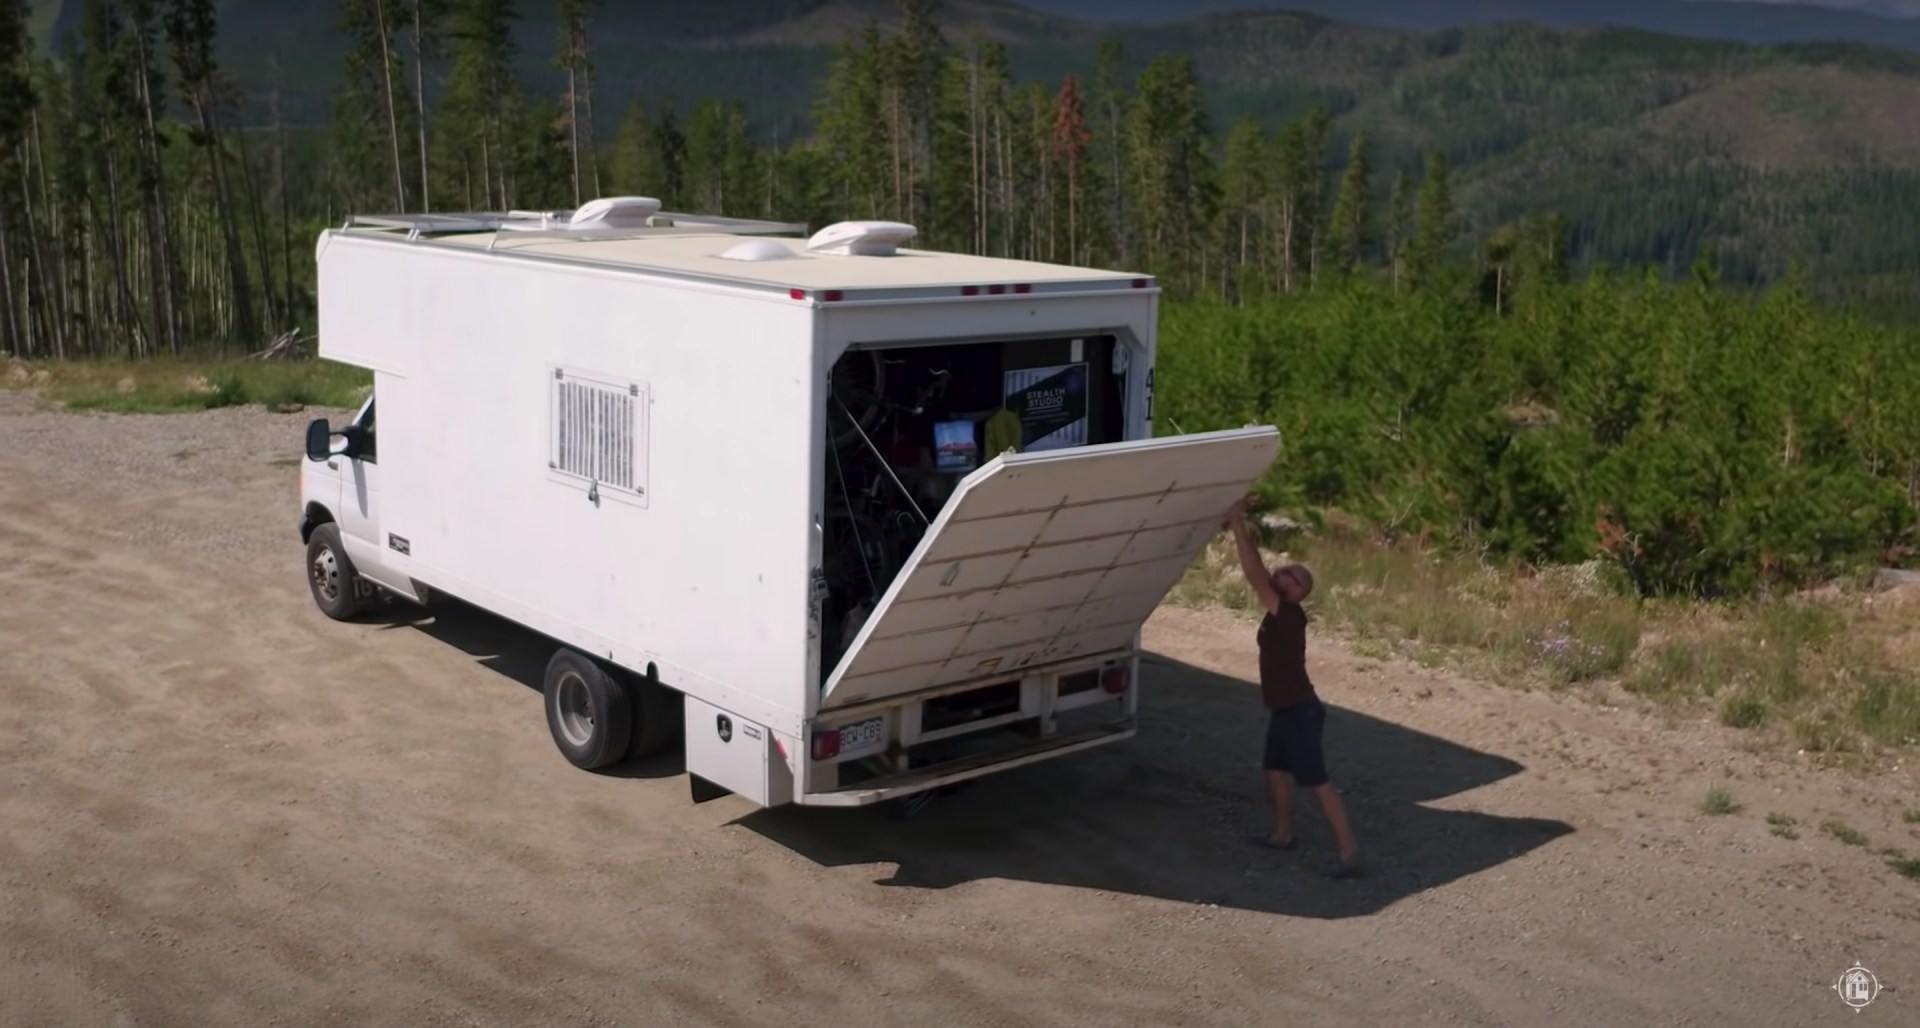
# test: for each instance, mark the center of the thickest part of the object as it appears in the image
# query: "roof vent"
(861, 238)
(615, 212)
(759, 250)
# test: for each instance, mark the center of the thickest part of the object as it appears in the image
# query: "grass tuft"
(169, 387)
(1782, 826)
(1718, 801)
(1832, 673)
(1844, 833)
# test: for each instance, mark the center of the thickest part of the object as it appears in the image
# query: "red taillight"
(1114, 680)
(826, 745)
(969, 290)
(831, 295)
(1139, 283)
(796, 294)
(1023, 289)
(996, 290)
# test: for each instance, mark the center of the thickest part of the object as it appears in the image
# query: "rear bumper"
(933, 776)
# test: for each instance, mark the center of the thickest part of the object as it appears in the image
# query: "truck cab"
(340, 516)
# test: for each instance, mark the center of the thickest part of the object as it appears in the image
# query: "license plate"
(862, 734)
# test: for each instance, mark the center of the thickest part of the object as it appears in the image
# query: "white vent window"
(598, 435)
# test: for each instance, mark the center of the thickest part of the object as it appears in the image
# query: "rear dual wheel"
(600, 715)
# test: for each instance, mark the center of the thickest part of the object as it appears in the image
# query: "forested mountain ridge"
(1882, 22)
(1652, 146)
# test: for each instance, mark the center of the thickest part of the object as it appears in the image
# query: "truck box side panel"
(606, 458)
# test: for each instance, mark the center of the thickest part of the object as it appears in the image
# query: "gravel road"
(220, 808)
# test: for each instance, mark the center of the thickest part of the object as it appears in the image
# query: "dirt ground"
(219, 808)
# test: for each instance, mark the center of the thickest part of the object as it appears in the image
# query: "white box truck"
(856, 521)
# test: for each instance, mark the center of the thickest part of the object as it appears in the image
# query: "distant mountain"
(1747, 21)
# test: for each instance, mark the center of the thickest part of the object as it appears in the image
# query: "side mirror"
(319, 440)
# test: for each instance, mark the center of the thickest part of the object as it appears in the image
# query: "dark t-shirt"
(1283, 658)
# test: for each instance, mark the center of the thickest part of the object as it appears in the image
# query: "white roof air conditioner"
(615, 212)
(861, 238)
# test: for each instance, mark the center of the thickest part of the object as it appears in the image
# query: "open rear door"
(1043, 557)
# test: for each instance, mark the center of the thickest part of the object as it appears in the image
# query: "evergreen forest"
(1527, 310)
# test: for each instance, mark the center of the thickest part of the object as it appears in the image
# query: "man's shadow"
(1165, 814)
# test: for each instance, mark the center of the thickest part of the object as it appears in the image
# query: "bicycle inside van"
(906, 423)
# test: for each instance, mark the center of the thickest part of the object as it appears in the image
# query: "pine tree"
(575, 58)
(850, 120)
(915, 58)
(1352, 221)
(424, 34)
(1111, 96)
(1068, 140)
(1435, 224)
(1316, 134)
(107, 120)
(1247, 174)
(484, 103)
(1172, 184)
(634, 166)
(16, 100)
(1399, 228)
(368, 107)
(670, 144)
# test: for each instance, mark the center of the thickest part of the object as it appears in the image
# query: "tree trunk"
(573, 117)
(244, 324)
(593, 147)
(54, 288)
(10, 331)
(160, 246)
(393, 116)
(978, 170)
(129, 321)
(420, 108)
(259, 228)
(280, 188)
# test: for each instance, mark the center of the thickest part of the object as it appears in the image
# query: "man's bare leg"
(1336, 813)
(1280, 788)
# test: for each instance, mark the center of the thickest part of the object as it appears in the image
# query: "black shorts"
(1293, 742)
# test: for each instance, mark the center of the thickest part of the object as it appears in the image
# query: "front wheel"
(588, 710)
(330, 575)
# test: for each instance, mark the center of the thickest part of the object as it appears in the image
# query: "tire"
(589, 711)
(330, 575)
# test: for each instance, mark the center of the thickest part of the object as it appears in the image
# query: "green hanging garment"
(1003, 434)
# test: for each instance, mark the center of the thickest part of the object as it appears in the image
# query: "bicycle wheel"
(858, 558)
(858, 381)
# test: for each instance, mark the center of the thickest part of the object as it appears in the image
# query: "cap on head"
(1294, 582)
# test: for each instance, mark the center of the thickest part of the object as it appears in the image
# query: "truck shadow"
(512, 651)
(1166, 814)
(1162, 815)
